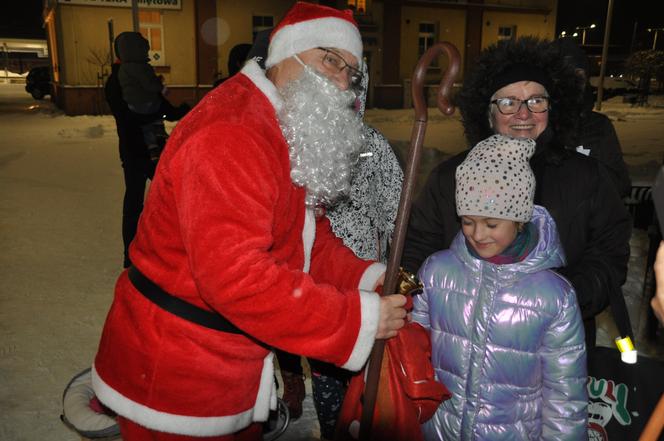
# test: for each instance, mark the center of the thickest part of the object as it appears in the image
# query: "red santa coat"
(224, 228)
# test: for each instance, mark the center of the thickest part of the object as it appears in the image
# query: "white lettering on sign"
(151, 4)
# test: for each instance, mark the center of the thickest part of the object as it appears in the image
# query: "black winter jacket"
(139, 82)
(128, 124)
(593, 224)
(596, 133)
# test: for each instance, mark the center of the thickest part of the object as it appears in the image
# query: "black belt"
(179, 307)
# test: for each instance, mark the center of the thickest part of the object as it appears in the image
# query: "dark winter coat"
(596, 134)
(140, 85)
(593, 224)
(131, 143)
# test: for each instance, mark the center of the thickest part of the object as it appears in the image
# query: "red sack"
(408, 394)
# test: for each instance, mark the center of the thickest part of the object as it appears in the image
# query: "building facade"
(80, 34)
(408, 28)
(190, 39)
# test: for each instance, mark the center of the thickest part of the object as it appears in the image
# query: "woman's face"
(524, 123)
(488, 236)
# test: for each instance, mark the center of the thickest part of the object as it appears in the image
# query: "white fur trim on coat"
(308, 236)
(257, 76)
(329, 32)
(371, 276)
(266, 399)
(370, 310)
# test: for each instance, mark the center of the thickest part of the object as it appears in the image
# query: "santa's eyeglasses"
(334, 62)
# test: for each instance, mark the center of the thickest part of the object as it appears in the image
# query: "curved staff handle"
(412, 163)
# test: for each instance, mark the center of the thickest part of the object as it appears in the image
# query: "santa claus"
(231, 258)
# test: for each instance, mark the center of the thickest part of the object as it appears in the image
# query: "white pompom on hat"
(306, 26)
(495, 180)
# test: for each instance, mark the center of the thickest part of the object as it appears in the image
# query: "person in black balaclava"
(595, 135)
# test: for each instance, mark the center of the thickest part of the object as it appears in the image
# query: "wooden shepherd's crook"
(412, 163)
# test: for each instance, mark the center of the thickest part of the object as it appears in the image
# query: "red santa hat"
(307, 26)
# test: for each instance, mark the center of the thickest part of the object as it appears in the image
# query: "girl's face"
(488, 236)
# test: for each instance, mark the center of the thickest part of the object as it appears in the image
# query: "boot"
(293, 393)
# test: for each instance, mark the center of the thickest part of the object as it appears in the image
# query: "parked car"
(38, 82)
(615, 86)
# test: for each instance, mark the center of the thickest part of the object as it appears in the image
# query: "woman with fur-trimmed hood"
(524, 88)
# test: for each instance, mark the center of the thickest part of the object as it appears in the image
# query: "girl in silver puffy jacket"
(506, 331)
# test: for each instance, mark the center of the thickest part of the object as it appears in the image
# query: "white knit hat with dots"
(495, 180)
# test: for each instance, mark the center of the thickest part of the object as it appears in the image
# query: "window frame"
(256, 28)
(157, 57)
(359, 6)
(429, 37)
(512, 32)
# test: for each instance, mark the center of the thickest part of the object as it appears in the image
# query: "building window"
(506, 32)
(359, 6)
(152, 29)
(426, 38)
(261, 23)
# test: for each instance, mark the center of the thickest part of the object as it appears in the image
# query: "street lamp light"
(563, 34)
(656, 31)
(583, 30)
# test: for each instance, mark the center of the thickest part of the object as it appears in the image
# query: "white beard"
(324, 136)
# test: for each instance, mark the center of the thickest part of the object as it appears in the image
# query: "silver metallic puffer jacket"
(507, 341)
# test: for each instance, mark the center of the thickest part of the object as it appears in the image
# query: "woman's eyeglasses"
(510, 106)
(334, 62)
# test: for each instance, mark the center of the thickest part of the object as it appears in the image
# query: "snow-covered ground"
(7, 76)
(61, 193)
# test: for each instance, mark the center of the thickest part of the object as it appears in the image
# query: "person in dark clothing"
(141, 88)
(258, 50)
(524, 88)
(137, 165)
(595, 136)
(236, 58)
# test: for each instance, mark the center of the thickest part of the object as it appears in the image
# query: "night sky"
(646, 13)
(22, 18)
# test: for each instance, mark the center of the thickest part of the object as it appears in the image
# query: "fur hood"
(565, 93)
